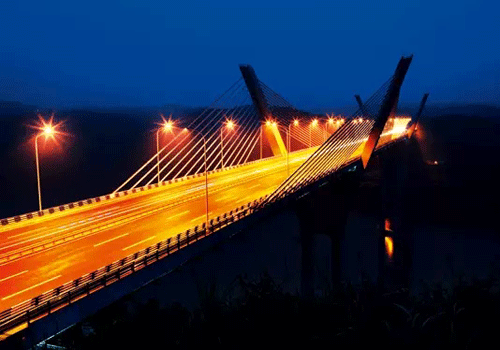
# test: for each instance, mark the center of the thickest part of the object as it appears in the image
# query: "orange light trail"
(389, 246)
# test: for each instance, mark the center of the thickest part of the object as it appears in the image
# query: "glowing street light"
(287, 133)
(295, 123)
(269, 123)
(314, 123)
(330, 121)
(206, 173)
(47, 130)
(166, 126)
(229, 125)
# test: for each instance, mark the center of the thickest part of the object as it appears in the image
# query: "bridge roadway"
(113, 229)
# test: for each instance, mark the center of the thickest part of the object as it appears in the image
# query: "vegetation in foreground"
(258, 314)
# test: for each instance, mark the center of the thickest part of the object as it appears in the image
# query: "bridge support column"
(395, 240)
(306, 218)
(325, 212)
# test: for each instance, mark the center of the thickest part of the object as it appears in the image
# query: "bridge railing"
(120, 194)
(50, 301)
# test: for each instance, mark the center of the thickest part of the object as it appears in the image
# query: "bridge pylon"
(361, 106)
(387, 108)
(415, 119)
(271, 131)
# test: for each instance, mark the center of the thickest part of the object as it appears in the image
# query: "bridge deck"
(109, 230)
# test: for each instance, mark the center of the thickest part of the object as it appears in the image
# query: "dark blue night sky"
(315, 53)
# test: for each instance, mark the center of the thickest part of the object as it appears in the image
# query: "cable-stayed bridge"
(247, 152)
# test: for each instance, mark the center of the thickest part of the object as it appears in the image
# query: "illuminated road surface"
(113, 229)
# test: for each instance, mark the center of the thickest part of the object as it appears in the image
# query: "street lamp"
(48, 131)
(330, 122)
(314, 123)
(165, 127)
(294, 123)
(206, 172)
(287, 133)
(229, 124)
(261, 141)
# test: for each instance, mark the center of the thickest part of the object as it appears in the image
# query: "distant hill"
(431, 110)
(470, 110)
(15, 108)
(179, 111)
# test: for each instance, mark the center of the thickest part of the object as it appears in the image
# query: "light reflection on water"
(440, 254)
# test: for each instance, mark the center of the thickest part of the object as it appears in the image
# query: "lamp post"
(166, 126)
(330, 122)
(287, 133)
(289, 137)
(206, 174)
(314, 123)
(229, 125)
(288, 154)
(261, 141)
(47, 131)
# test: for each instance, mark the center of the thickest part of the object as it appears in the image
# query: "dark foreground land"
(265, 317)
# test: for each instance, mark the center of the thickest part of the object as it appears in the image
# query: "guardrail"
(89, 201)
(89, 283)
